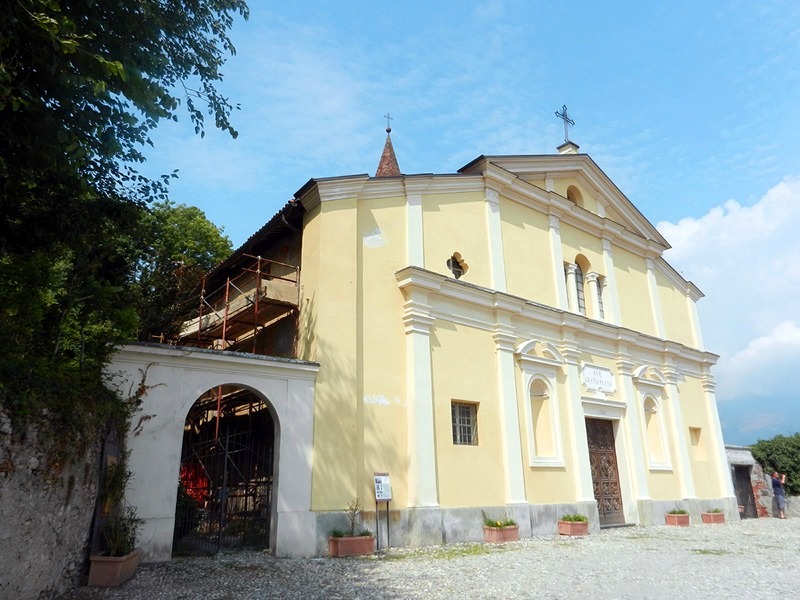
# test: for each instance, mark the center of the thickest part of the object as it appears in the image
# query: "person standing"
(780, 495)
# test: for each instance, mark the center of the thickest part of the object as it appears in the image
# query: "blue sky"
(692, 108)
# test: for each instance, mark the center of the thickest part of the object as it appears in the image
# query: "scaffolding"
(262, 292)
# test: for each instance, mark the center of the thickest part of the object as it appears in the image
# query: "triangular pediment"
(551, 175)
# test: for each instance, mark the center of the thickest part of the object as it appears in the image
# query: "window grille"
(465, 423)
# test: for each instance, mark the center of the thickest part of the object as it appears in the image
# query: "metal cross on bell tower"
(564, 116)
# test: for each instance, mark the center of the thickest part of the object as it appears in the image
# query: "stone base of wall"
(46, 514)
(651, 512)
(433, 526)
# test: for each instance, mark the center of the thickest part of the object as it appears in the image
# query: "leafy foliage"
(120, 531)
(781, 454)
(82, 83)
(489, 522)
(179, 246)
(576, 518)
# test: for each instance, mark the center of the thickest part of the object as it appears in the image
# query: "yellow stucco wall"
(331, 334)
(457, 223)
(526, 244)
(702, 457)
(634, 298)
(675, 312)
(381, 359)
(548, 485)
(463, 362)
(575, 242)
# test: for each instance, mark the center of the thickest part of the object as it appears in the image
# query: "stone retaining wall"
(45, 516)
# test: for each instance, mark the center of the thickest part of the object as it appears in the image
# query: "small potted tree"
(349, 543)
(713, 516)
(677, 517)
(497, 531)
(576, 524)
(119, 527)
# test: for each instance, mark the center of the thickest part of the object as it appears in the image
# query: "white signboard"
(383, 488)
(598, 379)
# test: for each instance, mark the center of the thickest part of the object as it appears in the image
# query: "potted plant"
(497, 531)
(576, 524)
(677, 517)
(715, 515)
(349, 543)
(119, 526)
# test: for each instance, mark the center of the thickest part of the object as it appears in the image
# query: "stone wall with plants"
(46, 510)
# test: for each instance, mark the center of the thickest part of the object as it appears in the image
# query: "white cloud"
(765, 367)
(747, 261)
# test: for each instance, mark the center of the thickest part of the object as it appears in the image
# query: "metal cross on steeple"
(388, 118)
(564, 116)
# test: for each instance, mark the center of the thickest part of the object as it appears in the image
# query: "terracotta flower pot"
(498, 535)
(715, 517)
(677, 520)
(358, 545)
(573, 528)
(111, 571)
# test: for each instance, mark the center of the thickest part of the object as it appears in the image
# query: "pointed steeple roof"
(388, 166)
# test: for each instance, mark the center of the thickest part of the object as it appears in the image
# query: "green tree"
(82, 83)
(181, 245)
(781, 454)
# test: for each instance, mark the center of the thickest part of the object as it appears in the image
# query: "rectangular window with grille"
(465, 423)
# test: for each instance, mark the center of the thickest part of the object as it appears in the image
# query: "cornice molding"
(435, 287)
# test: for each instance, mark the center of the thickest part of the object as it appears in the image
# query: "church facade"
(507, 338)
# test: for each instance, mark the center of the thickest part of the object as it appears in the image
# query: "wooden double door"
(605, 473)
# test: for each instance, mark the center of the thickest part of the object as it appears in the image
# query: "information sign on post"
(383, 493)
(383, 488)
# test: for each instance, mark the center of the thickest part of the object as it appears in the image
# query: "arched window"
(579, 289)
(574, 195)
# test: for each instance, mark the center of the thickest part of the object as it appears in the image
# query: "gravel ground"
(751, 559)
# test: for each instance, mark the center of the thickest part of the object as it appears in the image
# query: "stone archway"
(171, 379)
(227, 469)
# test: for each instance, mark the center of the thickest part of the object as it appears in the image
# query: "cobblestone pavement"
(752, 559)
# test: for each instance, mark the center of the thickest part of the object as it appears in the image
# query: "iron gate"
(225, 490)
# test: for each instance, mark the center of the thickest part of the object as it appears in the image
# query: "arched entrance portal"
(226, 473)
(167, 384)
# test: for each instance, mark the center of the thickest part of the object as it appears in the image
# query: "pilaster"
(720, 456)
(682, 464)
(415, 247)
(422, 478)
(637, 448)
(558, 263)
(505, 339)
(495, 232)
(611, 294)
(579, 444)
(655, 303)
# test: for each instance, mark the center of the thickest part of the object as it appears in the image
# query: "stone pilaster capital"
(555, 224)
(417, 317)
